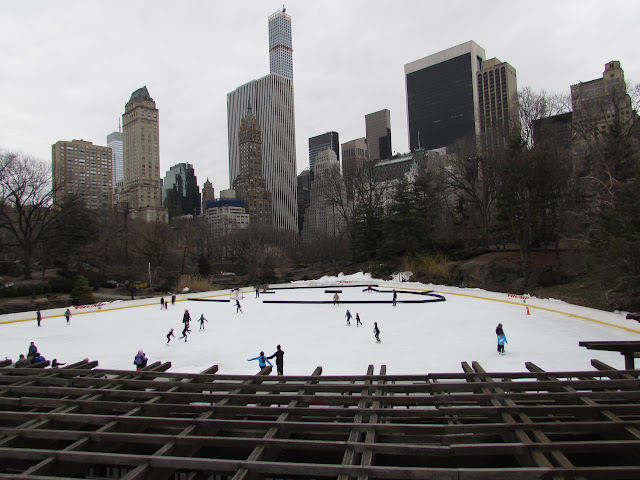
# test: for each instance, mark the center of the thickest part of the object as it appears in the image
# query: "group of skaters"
(394, 299)
(164, 303)
(263, 361)
(186, 320)
(376, 329)
(67, 315)
(33, 357)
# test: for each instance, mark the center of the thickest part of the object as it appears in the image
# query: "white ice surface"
(416, 338)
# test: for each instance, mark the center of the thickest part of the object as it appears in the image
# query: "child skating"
(169, 335)
(202, 320)
(502, 339)
(262, 361)
(348, 315)
(358, 322)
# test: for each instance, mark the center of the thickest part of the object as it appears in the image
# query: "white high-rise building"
(280, 46)
(114, 141)
(272, 100)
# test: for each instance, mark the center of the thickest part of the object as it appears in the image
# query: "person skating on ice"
(186, 318)
(376, 331)
(238, 307)
(161, 303)
(336, 299)
(169, 335)
(39, 317)
(185, 331)
(262, 361)
(140, 360)
(348, 315)
(502, 338)
(279, 354)
(395, 297)
(67, 315)
(358, 322)
(202, 320)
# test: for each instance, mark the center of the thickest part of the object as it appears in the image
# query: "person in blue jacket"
(262, 361)
(502, 338)
(38, 358)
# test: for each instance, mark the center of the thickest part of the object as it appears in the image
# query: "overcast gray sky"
(69, 66)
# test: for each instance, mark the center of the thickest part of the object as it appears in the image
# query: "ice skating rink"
(416, 337)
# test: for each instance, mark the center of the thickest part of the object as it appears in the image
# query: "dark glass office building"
(329, 140)
(442, 100)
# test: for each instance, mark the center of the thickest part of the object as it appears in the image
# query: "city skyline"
(213, 48)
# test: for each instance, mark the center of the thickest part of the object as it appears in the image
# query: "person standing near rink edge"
(39, 317)
(279, 354)
(67, 315)
(395, 297)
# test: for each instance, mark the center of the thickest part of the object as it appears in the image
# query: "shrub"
(194, 283)
(61, 285)
(25, 290)
(430, 267)
(82, 292)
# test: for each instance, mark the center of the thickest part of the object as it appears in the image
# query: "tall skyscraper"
(141, 153)
(272, 99)
(326, 141)
(280, 45)
(114, 142)
(250, 184)
(84, 169)
(180, 191)
(354, 155)
(442, 96)
(208, 193)
(322, 215)
(497, 97)
(378, 128)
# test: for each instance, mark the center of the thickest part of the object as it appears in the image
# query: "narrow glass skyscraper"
(280, 46)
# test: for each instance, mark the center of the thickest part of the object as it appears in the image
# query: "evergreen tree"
(82, 292)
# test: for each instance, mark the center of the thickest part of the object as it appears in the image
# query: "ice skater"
(202, 320)
(185, 331)
(262, 361)
(173, 300)
(186, 318)
(502, 338)
(348, 315)
(279, 354)
(140, 361)
(336, 299)
(358, 322)
(376, 331)
(39, 317)
(67, 315)
(161, 303)
(257, 291)
(395, 297)
(169, 335)
(238, 307)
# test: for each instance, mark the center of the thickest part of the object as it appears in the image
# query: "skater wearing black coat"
(202, 320)
(376, 331)
(169, 335)
(279, 354)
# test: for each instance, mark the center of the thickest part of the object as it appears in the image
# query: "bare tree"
(534, 106)
(26, 196)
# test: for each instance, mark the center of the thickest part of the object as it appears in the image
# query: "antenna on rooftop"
(119, 129)
(283, 9)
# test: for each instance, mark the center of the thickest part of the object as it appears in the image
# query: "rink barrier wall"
(611, 319)
(107, 306)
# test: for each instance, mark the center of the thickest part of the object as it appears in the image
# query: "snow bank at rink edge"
(617, 320)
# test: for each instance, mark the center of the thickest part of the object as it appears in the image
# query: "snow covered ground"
(416, 338)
